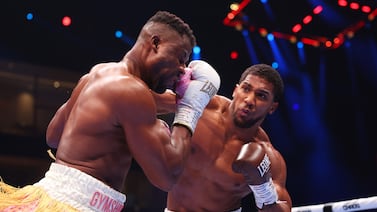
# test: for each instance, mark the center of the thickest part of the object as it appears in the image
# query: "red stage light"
(354, 6)
(307, 19)
(234, 55)
(66, 21)
(296, 28)
(317, 10)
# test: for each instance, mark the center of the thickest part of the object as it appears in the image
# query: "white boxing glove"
(195, 92)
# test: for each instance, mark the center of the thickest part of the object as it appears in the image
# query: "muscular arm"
(159, 154)
(56, 126)
(165, 102)
(279, 177)
(278, 172)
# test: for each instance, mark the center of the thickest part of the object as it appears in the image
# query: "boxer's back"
(92, 140)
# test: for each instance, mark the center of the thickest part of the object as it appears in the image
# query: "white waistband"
(80, 190)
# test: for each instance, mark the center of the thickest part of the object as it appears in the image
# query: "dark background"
(325, 127)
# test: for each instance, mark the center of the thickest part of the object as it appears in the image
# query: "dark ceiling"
(90, 39)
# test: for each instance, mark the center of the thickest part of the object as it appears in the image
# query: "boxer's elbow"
(164, 185)
(51, 140)
(52, 143)
(167, 180)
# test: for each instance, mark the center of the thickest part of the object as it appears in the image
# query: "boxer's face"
(252, 100)
(172, 54)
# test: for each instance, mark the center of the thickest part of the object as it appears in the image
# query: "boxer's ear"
(155, 41)
(273, 107)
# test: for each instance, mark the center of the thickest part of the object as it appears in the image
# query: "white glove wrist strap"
(187, 116)
(264, 194)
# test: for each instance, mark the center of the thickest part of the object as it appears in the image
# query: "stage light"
(196, 53)
(270, 37)
(263, 32)
(300, 45)
(196, 50)
(295, 106)
(317, 10)
(371, 17)
(354, 6)
(350, 34)
(292, 39)
(234, 55)
(328, 44)
(296, 28)
(66, 21)
(307, 19)
(275, 65)
(313, 40)
(238, 27)
(337, 40)
(29, 16)
(118, 34)
(366, 9)
(234, 6)
(230, 16)
(56, 84)
(342, 3)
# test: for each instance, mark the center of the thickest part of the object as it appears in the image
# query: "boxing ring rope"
(342, 206)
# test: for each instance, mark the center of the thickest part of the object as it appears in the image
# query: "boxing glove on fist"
(254, 164)
(194, 90)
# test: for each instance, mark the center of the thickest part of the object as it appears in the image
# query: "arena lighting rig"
(271, 17)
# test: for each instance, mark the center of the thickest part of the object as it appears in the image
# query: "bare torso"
(208, 179)
(93, 141)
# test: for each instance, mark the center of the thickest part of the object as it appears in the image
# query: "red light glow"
(296, 28)
(66, 21)
(234, 55)
(307, 19)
